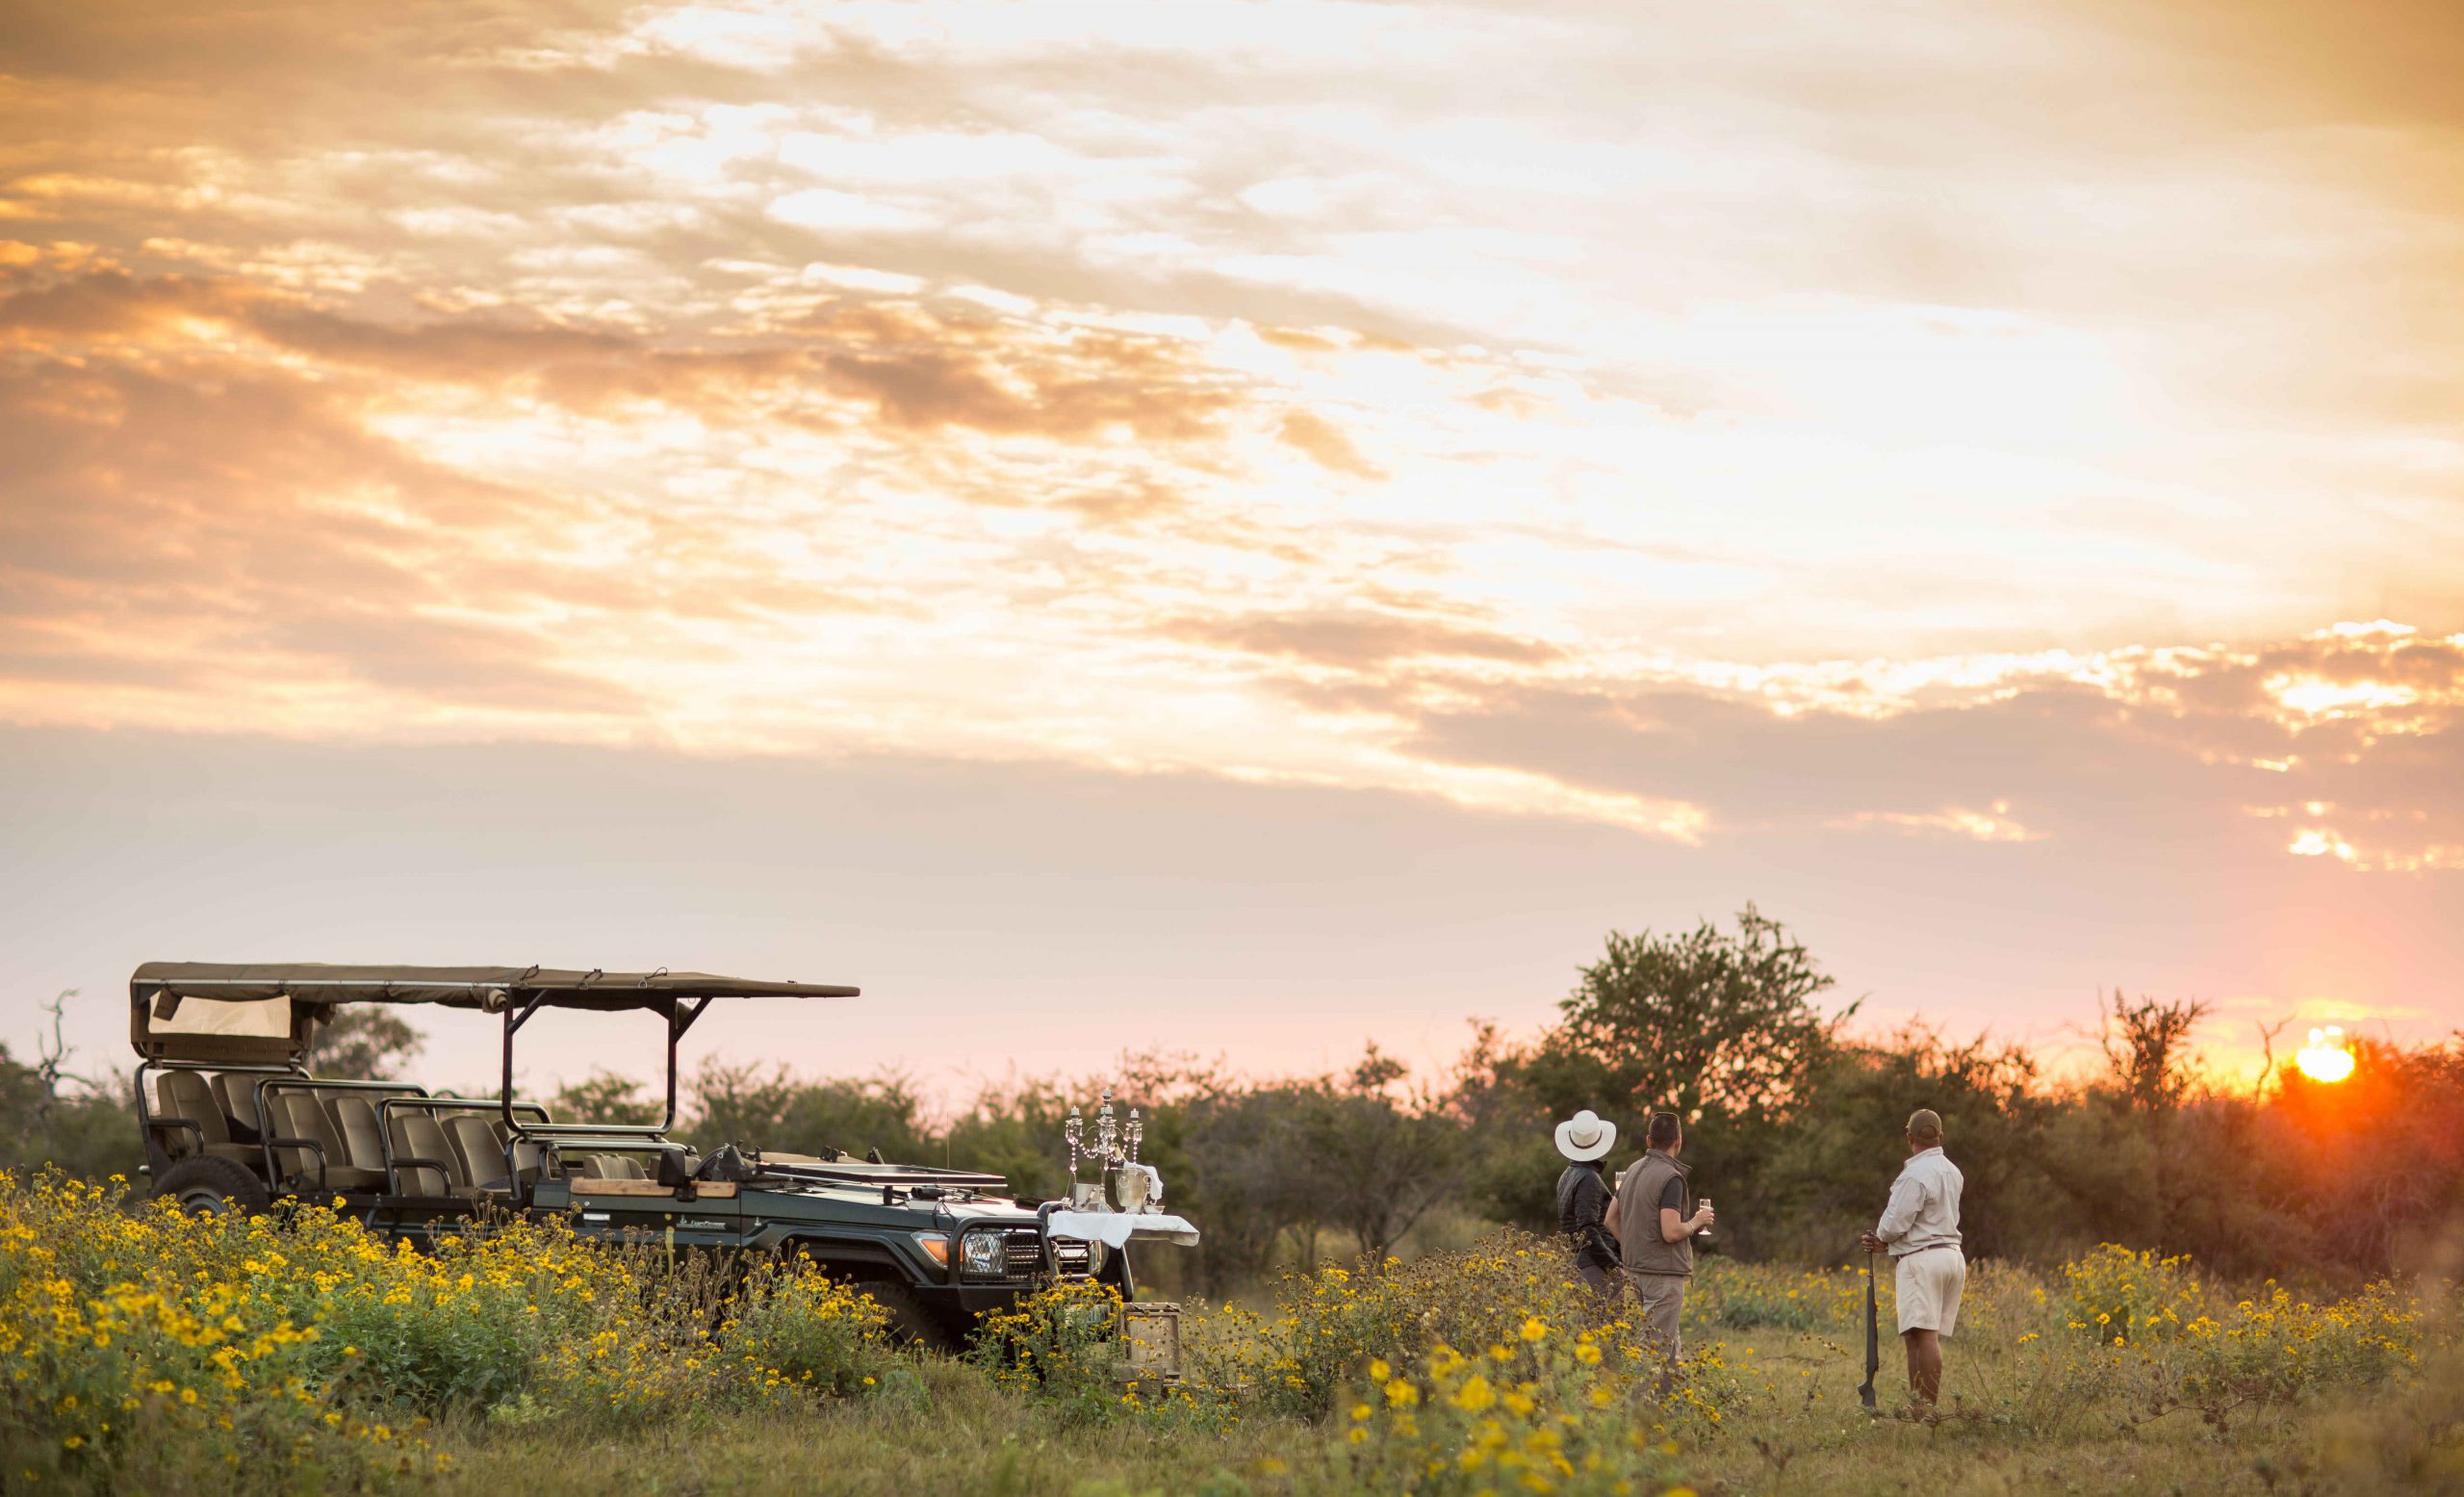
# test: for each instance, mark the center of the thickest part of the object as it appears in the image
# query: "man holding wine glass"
(1656, 1229)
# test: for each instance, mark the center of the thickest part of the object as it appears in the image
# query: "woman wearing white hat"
(1584, 1199)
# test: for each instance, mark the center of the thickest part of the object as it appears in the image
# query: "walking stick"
(1873, 1337)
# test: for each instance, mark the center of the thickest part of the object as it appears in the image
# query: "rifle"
(1873, 1337)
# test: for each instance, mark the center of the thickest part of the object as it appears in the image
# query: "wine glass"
(1703, 1234)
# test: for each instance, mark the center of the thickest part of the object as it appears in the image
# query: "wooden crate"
(1150, 1333)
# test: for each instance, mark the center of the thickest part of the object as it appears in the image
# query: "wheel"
(910, 1325)
(208, 1185)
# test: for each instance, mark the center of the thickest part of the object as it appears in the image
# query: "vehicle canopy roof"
(261, 1013)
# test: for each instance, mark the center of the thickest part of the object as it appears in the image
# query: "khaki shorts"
(1929, 1285)
(1659, 1300)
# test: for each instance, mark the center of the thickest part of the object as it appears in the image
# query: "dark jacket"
(1638, 1216)
(1582, 1203)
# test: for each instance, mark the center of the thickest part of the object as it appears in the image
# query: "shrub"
(1544, 1410)
(2121, 1297)
(148, 1339)
(135, 1367)
(796, 1328)
(1330, 1324)
(1063, 1343)
(2276, 1348)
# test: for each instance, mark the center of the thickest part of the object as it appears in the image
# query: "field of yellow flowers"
(148, 1352)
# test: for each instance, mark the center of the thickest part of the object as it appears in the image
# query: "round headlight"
(983, 1255)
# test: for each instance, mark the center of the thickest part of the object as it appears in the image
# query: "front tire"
(910, 1324)
(209, 1185)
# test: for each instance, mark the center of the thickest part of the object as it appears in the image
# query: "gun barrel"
(1873, 1337)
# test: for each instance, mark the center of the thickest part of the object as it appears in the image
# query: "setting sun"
(2325, 1058)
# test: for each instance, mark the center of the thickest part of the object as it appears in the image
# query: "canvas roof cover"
(493, 989)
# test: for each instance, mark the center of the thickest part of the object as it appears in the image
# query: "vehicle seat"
(482, 1150)
(304, 1115)
(416, 1136)
(616, 1167)
(236, 1093)
(529, 1158)
(185, 1094)
(365, 1141)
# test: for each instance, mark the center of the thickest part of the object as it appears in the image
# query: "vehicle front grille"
(1022, 1256)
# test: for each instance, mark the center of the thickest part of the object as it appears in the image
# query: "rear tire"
(209, 1185)
(910, 1325)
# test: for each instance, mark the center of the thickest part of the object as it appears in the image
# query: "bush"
(137, 1366)
(1063, 1343)
(2276, 1348)
(2118, 1296)
(148, 1342)
(1544, 1410)
(1331, 1325)
(798, 1329)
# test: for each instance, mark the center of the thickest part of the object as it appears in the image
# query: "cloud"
(1992, 825)
(1359, 639)
(914, 366)
(230, 491)
(1326, 445)
(179, 535)
(1300, 394)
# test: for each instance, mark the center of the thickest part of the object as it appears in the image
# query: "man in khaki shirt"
(1920, 1229)
(1656, 1232)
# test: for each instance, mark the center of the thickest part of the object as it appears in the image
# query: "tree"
(88, 1131)
(1510, 1163)
(1372, 1162)
(605, 1097)
(367, 1042)
(1828, 1172)
(778, 1110)
(2148, 1046)
(1690, 1022)
(1245, 1152)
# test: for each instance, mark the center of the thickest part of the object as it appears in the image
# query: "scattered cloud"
(1357, 640)
(1326, 445)
(1993, 825)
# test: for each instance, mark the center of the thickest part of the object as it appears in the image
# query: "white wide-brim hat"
(1586, 1136)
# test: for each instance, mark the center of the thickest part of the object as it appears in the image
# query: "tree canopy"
(1698, 1022)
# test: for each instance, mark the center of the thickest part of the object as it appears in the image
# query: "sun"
(2325, 1058)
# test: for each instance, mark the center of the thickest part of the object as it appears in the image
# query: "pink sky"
(1236, 527)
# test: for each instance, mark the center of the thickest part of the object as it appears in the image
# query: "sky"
(1235, 528)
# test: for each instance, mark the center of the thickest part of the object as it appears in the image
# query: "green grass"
(294, 1354)
(960, 1434)
(2031, 1405)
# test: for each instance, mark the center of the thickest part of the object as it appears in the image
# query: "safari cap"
(1925, 1122)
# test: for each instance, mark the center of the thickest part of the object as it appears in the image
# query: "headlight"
(984, 1256)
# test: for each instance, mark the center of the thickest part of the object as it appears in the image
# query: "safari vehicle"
(232, 1116)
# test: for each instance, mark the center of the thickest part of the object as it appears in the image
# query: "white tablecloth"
(1113, 1228)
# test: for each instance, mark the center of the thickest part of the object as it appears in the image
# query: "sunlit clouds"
(1984, 435)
